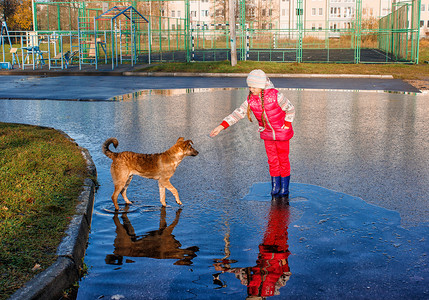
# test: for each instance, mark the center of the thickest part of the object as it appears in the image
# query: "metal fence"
(265, 31)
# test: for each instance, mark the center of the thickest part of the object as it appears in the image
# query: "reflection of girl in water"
(272, 269)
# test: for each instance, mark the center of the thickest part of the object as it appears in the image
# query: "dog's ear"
(180, 139)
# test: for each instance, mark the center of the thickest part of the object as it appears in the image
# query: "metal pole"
(149, 38)
(112, 37)
(188, 31)
(300, 31)
(415, 36)
(33, 9)
(232, 33)
(133, 45)
(357, 32)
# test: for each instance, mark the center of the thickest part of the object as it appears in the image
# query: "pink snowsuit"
(276, 139)
(274, 117)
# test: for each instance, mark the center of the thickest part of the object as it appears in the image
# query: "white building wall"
(201, 11)
(318, 14)
(424, 19)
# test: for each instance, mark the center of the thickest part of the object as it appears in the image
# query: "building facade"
(424, 19)
(317, 15)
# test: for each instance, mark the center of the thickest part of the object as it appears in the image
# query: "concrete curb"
(54, 73)
(60, 276)
(181, 74)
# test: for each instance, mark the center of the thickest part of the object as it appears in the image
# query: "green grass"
(41, 176)
(400, 71)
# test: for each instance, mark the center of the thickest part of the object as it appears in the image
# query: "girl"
(275, 114)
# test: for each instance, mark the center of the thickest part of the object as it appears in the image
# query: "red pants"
(278, 157)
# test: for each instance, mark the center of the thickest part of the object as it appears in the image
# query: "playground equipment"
(31, 52)
(123, 23)
(4, 33)
(118, 39)
(109, 36)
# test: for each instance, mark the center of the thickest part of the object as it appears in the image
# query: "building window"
(178, 13)
(422, 23)
(252, 13)
(173, 13)
(423, 7)
(320, 11)
(313, 26)
(313, 11)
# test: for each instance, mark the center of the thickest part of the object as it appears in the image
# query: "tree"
(7, 9)
(22, 18)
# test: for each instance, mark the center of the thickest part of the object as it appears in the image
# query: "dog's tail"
(106, 149)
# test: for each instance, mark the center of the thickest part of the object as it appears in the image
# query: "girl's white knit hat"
(257, 79)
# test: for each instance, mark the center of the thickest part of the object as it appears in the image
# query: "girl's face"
(255, 91)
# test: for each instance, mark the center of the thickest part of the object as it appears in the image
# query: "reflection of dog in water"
(160, 244)
(159, 166)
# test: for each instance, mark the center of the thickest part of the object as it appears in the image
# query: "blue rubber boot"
(284, 191)
(276, 185)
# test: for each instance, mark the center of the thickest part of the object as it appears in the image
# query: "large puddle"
(354, 228)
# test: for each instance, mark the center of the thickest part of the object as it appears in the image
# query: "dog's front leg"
(161, 194)
(172, 189)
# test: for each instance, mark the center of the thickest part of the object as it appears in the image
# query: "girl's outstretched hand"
(216, 131)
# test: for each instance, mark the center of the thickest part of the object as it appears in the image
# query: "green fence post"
(357, 33)
(34, 7)
(188, 31)
(59, 17)
(299, 12)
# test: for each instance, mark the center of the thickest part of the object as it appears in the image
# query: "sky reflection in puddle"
(324, 244)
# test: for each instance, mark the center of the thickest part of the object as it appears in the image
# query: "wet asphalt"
(104, 87)
(357, 223)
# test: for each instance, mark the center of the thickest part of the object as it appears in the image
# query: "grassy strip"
(400, 71)
(41, 176)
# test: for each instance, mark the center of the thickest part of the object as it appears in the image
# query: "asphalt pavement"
(360, 144)
(105, 83)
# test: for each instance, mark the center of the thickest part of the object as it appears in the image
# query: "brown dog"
(159, 166)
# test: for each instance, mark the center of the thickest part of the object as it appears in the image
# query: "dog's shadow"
(160, 244)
